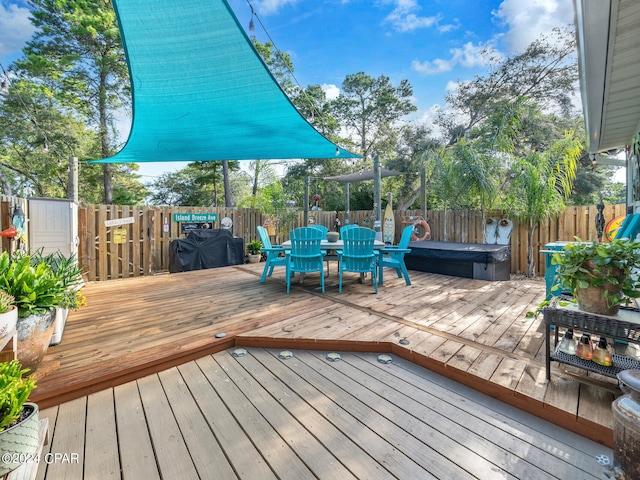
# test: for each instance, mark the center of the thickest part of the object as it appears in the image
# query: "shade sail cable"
(201, 92)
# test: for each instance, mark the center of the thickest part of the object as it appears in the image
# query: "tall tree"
(77, 48)
(540, 184)
(368, 108)
(546, 72)
(414, 149)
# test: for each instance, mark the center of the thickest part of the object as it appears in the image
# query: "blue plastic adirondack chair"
(305, 255)
(393, 256)
(273, 254)
(347, 227)
(322, 228)
(324, 231)
(358, 254)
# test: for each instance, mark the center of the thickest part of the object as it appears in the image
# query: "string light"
(312, 104)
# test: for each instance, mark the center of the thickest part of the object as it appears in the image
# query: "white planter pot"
(8, 323)
(58, 325)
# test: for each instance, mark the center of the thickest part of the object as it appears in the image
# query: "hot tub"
(470, 260)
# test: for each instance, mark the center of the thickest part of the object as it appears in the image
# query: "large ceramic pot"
(21, 441)
(600, 299)
(8, 321)
(34, 336)
(593, 300)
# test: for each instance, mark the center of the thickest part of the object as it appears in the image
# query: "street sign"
(195, 217)
(119, 221)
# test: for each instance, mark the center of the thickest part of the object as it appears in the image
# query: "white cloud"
(267, 7)
(404, 19)
(15, 27)
(451, 86)
(449, 27)
(330, 90)
(468, 56)
(526, 20)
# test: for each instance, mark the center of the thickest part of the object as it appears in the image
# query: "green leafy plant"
(7, 302)
(14, 391)
(36, 289)
(253, 248)
(585, 264)
(69, 273)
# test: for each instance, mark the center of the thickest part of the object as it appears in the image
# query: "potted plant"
(599, 275)
(19, 436)
(8, 315)
(69, 273)
(254, 251)
(38, 291)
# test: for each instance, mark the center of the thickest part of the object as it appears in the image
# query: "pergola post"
(306, 200)
(377, 210)
(346, 203)
(423, 191)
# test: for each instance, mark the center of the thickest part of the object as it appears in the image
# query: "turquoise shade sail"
(201, 92)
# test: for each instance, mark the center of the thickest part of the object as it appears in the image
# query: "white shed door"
(53, 226)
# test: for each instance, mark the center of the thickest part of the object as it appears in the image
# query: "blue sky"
(432, 43)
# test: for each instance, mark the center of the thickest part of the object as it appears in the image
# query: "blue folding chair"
(305, 255)
(393, 255)
(273, 254)
(358, 255)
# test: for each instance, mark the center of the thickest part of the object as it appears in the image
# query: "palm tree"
(540, 184)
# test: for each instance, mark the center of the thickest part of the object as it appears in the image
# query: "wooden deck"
(471, 331)
(261, 417)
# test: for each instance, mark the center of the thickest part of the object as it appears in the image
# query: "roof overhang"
(608, 35)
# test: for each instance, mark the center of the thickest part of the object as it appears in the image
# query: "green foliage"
(198, 184)
(76, 56)
(36, 289)
(7, 302)
(69, 273)
(584, 264)
(368, 106)
(546, 72)
(253, 248)
(14, 391)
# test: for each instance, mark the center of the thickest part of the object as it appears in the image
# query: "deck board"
(474, 331)
(259, 416)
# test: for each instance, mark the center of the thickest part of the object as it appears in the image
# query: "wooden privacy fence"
(121, 250)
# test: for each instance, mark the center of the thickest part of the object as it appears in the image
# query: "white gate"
(53, 226)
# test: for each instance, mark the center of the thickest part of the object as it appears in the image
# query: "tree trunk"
(226, 183)
(531, 267)
(104, 137)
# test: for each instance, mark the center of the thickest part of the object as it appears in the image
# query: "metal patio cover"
(201, 92)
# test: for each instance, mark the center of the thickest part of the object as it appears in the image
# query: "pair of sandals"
(498, 231)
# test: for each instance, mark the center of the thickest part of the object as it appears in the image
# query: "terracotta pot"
(20, 441)
(34, 336)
